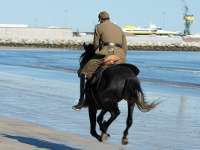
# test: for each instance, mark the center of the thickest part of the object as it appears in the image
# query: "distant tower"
(188, 18)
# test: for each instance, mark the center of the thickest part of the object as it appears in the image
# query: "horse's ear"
(85, 46)
(91, 46)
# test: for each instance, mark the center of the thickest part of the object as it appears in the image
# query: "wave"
(143, 79)
(182, 69)
(171, 83)
(46, 67)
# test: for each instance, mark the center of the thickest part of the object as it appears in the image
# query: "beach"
(20, 135)
(38, 89)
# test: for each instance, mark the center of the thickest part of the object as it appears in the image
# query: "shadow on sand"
(39, 143)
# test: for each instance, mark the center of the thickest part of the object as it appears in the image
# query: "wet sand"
(20, 135)
(39, 88)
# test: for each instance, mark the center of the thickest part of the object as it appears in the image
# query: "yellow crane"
(188, 19)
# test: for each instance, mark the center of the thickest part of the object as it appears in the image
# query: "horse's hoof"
(94, 134)
(124, 141)
(104, 137)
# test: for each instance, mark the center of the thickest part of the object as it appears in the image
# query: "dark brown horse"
(108, 87)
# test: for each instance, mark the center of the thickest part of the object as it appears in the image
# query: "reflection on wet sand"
(182, 108)
(45, 96)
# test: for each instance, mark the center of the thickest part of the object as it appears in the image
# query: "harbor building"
(19, 32)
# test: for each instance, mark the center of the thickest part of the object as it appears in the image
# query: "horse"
(106, 89)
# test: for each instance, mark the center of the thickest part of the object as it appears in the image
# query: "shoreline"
(21, 135)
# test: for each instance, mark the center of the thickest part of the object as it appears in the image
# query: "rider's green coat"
(106, 32)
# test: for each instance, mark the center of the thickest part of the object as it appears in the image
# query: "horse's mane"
(87, 55)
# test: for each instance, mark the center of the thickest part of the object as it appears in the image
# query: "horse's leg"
(129, 122)
(92, 116)
(114, 111)
(100, 119)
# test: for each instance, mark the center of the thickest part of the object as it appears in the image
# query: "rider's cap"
(103, 15)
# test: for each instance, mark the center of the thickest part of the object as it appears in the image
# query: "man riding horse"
(110, 48)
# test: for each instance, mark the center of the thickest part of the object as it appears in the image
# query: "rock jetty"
(142, 42)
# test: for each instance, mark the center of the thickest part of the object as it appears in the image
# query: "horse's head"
(87, 54)
(88, 47)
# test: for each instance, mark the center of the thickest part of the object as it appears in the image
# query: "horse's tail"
(142, 104)
(134, 92)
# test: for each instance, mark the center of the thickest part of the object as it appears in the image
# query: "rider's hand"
(111, 59)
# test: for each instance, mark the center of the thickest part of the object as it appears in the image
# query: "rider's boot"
(81, 102)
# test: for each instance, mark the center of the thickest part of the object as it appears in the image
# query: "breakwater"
(64, 38)
(133, 44)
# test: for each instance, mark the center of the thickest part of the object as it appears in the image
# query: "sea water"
(41, 86)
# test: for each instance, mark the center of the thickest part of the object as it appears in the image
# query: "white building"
(18, 32)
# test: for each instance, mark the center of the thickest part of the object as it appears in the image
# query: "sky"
(82, 15)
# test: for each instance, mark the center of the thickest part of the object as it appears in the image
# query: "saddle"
(96, 78)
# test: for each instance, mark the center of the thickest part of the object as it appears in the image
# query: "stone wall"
(64, 38)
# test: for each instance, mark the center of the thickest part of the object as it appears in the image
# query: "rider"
(110, 47)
